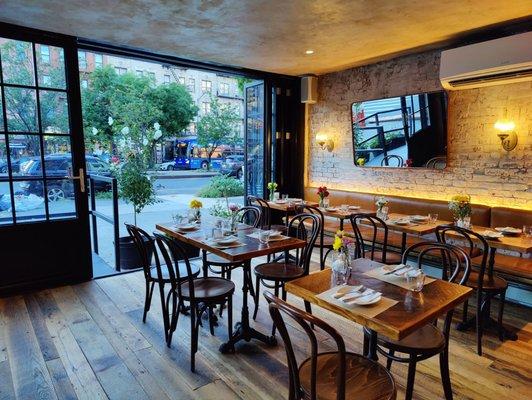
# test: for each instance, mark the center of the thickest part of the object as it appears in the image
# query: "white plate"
(280, 201)
(332, 209)
(371, 300)
(354, 207)
(401, 222)
(275, 235)
(186, 227)
(227, 240)
(419, 218)
(508, 230)
(491, 235)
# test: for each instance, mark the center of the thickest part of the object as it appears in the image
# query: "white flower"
(110, 121)
(125, 130)
(94, 131)
(157, 134)
(157, 126)
(145, 142)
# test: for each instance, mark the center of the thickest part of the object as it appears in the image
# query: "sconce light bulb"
(504, 126)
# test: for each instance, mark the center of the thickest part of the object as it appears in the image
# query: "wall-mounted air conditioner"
(504, 60)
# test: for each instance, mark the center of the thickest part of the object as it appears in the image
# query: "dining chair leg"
(257, 297)
(365, 344)
(502, 298)
(193, 336)
(276, 291)
(308, 309)
(464, 311)
(389, 359)
(479, 322)
(445, 378)
(210, 313)
(230, 316)
(173, 321)
(411, 377)
(147, 301)
(322, 259)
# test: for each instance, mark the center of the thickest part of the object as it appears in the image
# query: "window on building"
(46, 80)
(45, 54)
(206, 107)
(98, 61)
(192, 127)
(182, 80)
(206, 86)
(151, 75)
(223, 89)
(139, 72)
(82, 59)
(120, 70)
(191, 85)
(167, 79)
(84, 83)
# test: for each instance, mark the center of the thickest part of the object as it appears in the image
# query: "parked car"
(15, 164)
(57, 167)
(233, 166)
(166, 166)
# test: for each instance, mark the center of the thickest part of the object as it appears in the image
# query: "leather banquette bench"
(514, 267)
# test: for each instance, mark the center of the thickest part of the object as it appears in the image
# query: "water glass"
(415, 280)
(276, 196)
(326, 202)
(433, 218)
(217, 233)
(264, 236)
(344, 208)
(285, 197)
(527, 231)
(383, 213)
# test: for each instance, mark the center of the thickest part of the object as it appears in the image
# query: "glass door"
(43, 208)
(254, 139)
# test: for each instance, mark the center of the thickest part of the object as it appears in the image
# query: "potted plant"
(460, 206)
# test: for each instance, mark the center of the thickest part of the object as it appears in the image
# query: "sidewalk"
(182, 174)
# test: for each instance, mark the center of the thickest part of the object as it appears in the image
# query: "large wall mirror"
(405, 131)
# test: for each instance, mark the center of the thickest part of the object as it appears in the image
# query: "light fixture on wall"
(506, 132)
(324, 142)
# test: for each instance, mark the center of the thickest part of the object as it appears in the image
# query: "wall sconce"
(505, 132)
(324, 142)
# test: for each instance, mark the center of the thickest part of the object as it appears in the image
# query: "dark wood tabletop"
(251, 248)
(412, 311)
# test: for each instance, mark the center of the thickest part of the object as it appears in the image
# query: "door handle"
(80, 178)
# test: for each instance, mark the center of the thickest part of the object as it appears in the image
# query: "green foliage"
(241, 81)
(222, 186)
(134, 185)
(136, 103)
(219, 126)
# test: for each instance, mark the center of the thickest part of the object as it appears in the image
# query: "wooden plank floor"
(88, 342)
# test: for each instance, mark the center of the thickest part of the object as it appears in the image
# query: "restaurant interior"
(383, 248)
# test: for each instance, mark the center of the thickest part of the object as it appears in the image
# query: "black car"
(15, 164)
(57, 166)
(233, 166)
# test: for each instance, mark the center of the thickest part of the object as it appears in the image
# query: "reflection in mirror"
(405, 131)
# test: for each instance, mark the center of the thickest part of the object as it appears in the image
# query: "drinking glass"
(415, 280)
(344, 208)
(285, 197)
(217, 233)
(433, 218)
(384, 213)
(326, 202)
(264, 236)
(276, 196)
(527, 231)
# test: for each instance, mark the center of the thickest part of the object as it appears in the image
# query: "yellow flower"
(195, 203)
(461, 198)
(337, 245)
(340, 234)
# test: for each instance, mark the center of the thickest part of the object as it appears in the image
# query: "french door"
(44, 227)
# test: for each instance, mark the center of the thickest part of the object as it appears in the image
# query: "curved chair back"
(278, 308)
(375, 224)
(474, 242)
(315, 211)
(398, 159)
(456, 264)
(145, 246)
(250, 215)
(171, 252)
(439, 162)
(266, 218)
(305, 227)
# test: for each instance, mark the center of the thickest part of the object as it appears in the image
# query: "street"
(180, 186)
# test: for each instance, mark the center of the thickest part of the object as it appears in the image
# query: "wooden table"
(413, 310)
(252, 248)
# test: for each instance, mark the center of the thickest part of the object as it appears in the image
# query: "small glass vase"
(382, 213)
(340, 269)
(272, 195)
(464, 222)
(195, 215)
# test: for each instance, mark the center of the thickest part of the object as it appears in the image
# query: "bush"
(222, 186)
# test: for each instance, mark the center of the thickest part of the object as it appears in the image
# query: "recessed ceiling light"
(309, 51)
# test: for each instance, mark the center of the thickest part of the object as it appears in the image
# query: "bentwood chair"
(485, 283)
(266, 214)
(323, 242)
(201, 293)
(371, 237)
(145, 245)
(274, 275)
(389, 160)
(250, 215)
(429, 340)
(328, 375)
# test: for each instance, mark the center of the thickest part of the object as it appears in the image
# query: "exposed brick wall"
(477, 164)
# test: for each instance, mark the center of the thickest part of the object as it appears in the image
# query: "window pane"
(54, 112)
(24, 149)
(1, 114)
(61, 199)
(50, 68)
(6, 217)
(21, 106)
(29, 201)
(17, 62)
(58, 158)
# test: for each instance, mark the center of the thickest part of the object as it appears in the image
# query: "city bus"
(189, 155)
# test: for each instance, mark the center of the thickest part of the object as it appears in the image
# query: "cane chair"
(323, 242)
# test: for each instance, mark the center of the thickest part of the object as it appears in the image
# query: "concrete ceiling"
(269, 35)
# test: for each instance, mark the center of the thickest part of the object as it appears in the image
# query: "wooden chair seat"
(428, 339)
(496, 284)
(391, 257)
(211, 288)
(515, 266)
(278, 271)
(365, 379)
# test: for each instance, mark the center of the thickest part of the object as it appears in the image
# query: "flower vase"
(340, 269)
(321, 203)
(272, 195)
(464, 222)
